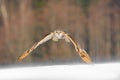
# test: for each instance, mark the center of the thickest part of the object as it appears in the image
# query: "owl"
(56, 36)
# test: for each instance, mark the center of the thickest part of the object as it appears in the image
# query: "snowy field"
(108, 71)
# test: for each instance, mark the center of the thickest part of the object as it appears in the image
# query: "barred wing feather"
(83, 54)
(27, 52)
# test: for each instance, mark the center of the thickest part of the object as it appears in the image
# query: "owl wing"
(27, 52)
(83, 54)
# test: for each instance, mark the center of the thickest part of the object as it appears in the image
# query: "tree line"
(94, 24)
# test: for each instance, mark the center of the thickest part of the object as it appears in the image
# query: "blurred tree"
(92, 23)
(38, 3)
(84, 5)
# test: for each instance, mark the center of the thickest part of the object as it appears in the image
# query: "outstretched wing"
(83, 54)
(27, 52)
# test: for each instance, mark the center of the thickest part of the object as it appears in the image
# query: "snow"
(108, 71)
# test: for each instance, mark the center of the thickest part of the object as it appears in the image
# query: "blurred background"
(94, 24)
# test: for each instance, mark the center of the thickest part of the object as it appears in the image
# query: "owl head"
(59, 34)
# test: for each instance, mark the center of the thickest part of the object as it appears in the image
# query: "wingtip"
(25, 54)
(19, 59)
(85, 57)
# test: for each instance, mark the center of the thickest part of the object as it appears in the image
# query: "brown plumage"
(55, 36)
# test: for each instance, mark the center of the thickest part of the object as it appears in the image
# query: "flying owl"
(55, 36)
